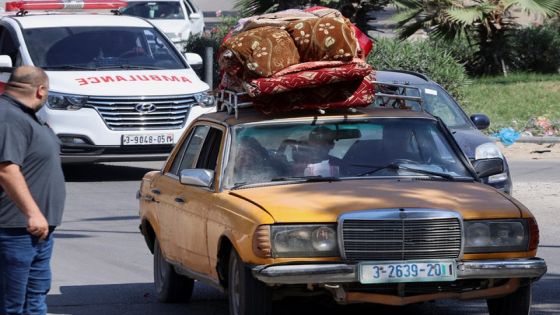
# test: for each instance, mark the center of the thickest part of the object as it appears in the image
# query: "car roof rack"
(232, 101)
(389, 91)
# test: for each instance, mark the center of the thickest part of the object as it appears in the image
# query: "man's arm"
(13, 183)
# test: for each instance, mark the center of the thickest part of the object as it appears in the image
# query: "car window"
(100, 47)
(440, 104)
(9, 47)
(434, 100)
(189, 152)
(190, 7)
(162, 10)
(208, 158)
(265, 153)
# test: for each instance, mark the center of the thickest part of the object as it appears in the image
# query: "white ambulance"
(119, 89)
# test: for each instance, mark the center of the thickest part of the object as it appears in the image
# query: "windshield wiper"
(68, 67)
(396, 166)
(130, 67)
(309, 179)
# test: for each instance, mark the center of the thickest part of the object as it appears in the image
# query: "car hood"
(324, 202)
(126, 82)
(469, 139)
(172, 28)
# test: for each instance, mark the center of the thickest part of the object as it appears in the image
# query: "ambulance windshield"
(96, 48)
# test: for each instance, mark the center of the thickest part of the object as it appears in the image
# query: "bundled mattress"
(296, 60)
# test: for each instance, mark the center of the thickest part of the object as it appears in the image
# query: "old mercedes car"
(366, 206)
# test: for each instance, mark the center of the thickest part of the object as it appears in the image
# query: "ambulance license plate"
(147, 139)
(407, 271)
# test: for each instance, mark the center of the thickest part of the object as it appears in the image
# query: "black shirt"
(31, 144)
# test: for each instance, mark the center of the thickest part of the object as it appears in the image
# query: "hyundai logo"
(145, 108)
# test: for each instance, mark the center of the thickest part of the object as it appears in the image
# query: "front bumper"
(533, 268)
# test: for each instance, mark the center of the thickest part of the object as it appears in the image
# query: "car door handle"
(180, 200)
(156, 191)
(149, 198)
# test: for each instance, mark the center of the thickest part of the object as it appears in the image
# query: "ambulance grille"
(141, 113)
(401, 239)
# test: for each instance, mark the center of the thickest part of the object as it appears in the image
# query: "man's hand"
(38, 226)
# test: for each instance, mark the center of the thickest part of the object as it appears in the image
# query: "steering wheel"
(134, 52)
(405, 161)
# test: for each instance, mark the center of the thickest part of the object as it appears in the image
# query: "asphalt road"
(102, 266)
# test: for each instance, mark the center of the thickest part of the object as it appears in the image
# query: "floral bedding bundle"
(294, 60)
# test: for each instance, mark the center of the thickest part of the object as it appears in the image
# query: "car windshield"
(159, 10)
(98, 48)
(435, 101)
(265, 153)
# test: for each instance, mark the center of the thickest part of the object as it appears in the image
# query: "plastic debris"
(507, 136)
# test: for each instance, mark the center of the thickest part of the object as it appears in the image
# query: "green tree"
(356, 10)
(486, 23)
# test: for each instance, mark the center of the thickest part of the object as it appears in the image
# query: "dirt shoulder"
(534, 151)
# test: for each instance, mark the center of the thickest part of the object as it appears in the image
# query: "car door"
(9, 46)
(195, 16)
(183, 208)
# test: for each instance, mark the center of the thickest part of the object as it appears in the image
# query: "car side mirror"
(197, 177)
(488, 167)
(195, 16)
(481, 121)
(194, 60)
(5, 61)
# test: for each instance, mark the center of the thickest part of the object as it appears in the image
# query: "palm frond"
(545, 7)
(469, 15)
(404, 16)
(407, 4)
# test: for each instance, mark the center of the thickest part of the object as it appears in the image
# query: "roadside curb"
(538, 140)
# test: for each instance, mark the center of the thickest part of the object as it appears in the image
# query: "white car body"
(179, 27)
(127, 114)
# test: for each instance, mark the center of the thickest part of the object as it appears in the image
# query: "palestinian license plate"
(409, 271)
(147, 139)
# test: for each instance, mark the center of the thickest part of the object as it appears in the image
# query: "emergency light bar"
(44, 5)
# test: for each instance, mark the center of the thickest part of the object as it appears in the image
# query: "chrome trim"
(122, 113)
(397, 214)
(532, 268)
(180, 269)
(197, 177)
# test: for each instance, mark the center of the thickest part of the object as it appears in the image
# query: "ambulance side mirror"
(5, 61)
(194, 60)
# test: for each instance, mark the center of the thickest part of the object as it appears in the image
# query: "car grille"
(136, 113)
(401, 239)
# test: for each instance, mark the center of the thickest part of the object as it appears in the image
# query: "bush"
(537, 49)
(423, 57)
(212, 38)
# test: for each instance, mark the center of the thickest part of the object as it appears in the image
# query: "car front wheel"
(516, 303)
(170, 286)
(247, 295)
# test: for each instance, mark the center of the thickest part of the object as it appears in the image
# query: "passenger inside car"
(252, 162)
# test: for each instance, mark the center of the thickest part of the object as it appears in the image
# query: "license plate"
(147, 139)
(409, 271)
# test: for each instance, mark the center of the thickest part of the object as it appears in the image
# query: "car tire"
(170, 286)
(246, 295)
(516, 303)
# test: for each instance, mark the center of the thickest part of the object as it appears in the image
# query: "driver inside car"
(319, 162)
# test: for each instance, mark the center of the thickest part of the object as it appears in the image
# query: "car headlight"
(65, 101)
(304, 240)
(488, 150)
(205, 99)
(487, 236)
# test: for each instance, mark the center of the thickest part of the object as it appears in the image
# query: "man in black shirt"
(32, 194)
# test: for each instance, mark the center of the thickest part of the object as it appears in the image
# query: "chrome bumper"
(533, 268)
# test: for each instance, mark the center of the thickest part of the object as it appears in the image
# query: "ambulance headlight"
(204, 99)
(65, 101)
